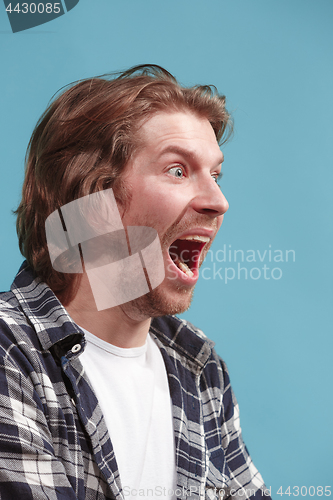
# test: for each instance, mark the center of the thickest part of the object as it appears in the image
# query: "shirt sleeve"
(29, 469)
(245, 480)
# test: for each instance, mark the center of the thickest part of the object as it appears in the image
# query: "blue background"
(273, 60)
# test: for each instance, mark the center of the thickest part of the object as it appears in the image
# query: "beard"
(169, 298)
(156, 303)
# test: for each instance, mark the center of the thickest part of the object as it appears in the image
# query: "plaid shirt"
(54, 444)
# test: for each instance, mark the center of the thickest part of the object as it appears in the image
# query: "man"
(124, 401)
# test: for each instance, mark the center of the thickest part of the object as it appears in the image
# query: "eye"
(217, 177)
(177, 171)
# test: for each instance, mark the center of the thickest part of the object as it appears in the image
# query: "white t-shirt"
(132, 389)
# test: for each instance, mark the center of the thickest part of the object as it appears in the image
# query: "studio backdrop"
(265, 291)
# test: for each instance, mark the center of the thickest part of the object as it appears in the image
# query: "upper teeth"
(204, 239)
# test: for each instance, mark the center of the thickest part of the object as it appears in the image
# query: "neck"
(118, 326)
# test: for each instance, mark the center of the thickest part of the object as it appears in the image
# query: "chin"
(159, 302)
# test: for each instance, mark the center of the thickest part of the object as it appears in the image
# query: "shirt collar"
(183, 337)
(45, 312)
(53, 324)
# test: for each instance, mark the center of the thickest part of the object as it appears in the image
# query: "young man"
(101, 402)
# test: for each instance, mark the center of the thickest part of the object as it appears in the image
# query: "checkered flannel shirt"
(54, 444)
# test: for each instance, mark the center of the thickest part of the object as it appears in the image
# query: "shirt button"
(76, 348)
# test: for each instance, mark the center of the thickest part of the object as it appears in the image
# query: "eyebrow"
(186, 153)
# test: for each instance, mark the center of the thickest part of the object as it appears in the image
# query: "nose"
(209, 199)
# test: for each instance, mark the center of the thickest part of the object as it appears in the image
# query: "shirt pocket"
(217, 493)
(217, 477)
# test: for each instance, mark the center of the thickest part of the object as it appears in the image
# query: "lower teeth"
(184, 267)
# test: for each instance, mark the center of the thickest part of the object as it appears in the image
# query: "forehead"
(167, 133)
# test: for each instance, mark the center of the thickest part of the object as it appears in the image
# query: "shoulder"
(11, 312)
(18, 339)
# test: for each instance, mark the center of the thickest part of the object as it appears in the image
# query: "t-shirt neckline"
(124, 352)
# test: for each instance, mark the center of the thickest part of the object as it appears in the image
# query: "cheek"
(151, 208)
(154, 204)
(159, 202)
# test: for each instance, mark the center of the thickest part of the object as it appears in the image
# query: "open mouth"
(185, 253)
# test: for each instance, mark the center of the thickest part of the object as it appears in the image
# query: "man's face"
(172, 186)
